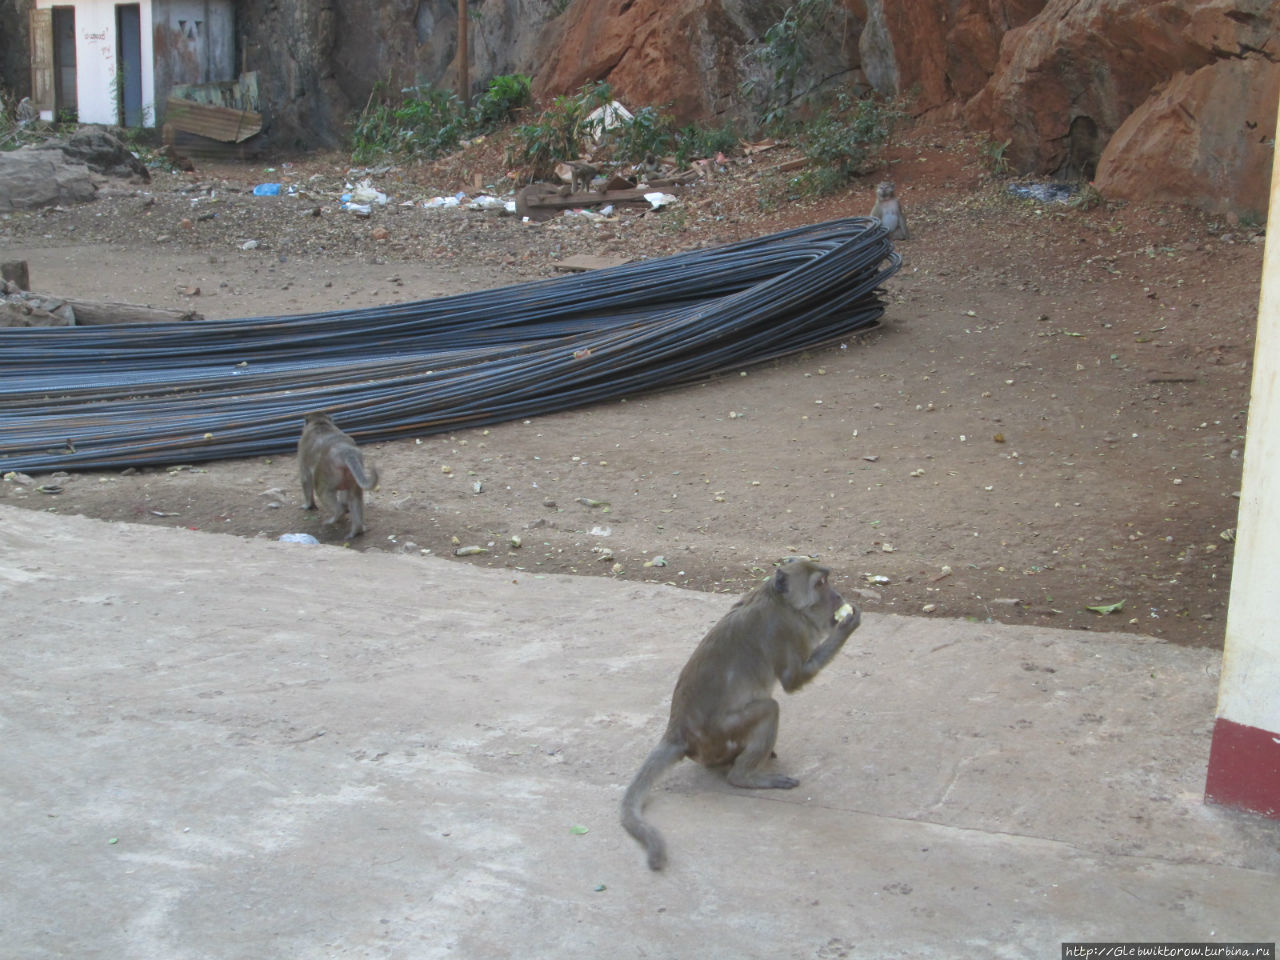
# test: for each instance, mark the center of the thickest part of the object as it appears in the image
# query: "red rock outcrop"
(1206, 138)
(682, 55)
(937, 51)
(1070, 77)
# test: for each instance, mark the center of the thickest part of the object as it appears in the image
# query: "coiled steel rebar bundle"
(134, 394)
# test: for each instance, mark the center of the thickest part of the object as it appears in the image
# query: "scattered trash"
(297, 538)
(658, 199)
(577, 830)
(658, 561)
(486, 202)
(453, 201)
(268, 189)
(1108, 608)
(366, 192)
(516, 541)
(469, 551)
(50, 488)
(601, 531)
(1045, 192)
(605, 118)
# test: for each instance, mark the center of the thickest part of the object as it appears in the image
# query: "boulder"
(689, 57)
(102, 153)
(1069, 78)
(32, 177)
(1207, 137)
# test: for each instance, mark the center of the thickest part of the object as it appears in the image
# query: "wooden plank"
(92, 313)
(542, 201)
(582, 262)
(40, 24)
(216, 123)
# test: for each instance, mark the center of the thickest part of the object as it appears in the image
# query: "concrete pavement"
(226, 748)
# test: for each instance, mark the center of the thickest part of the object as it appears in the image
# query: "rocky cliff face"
(1173, 99)
(1168, 99)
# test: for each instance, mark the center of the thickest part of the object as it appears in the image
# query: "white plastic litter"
(612, 114)
(365, 192)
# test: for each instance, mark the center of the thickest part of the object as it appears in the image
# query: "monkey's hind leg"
(308, 489)
(355, 510)
(757, 722)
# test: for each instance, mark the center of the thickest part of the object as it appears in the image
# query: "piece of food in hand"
(844, 612)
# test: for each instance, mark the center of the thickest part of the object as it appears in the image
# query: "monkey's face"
(806, 586)
(885, 190)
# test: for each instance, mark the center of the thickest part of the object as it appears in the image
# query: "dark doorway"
(66, 105)
(129, 63)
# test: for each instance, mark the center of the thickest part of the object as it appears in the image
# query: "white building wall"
(96, 46)
(1250, 686)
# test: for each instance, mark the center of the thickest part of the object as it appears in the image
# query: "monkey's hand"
(796, 676)
(849, 619)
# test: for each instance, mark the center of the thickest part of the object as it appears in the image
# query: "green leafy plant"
(840, 144)
(506, 94)
(427, 121)
(993, 155)
(560, 130)
(783, 52)
(693, 142)
(648, 131)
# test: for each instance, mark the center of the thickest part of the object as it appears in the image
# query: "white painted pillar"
(1244, 760)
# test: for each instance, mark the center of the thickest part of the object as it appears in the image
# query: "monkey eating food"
(723, 711)
(333, 472)
(888, 210)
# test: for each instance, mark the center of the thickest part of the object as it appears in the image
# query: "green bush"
(427, 121)
(499, 103)
(647, 132)
(693, 142)
(560, 130)
(841, 143)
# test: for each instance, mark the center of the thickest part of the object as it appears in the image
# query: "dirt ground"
(1051, 417)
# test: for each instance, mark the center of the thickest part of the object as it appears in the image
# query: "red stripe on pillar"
(1244, 768)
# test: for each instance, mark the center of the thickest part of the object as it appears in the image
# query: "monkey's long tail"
(665, 756)
(366, 477)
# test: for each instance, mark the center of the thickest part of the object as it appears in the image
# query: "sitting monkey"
(888, 210)
(723, 711)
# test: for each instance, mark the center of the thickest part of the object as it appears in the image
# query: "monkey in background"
(723, 711)
(581, 175)
(333, 472)
(888, 210)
